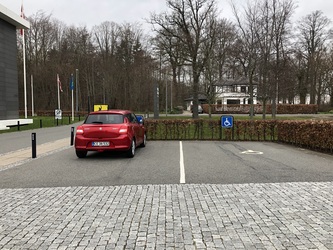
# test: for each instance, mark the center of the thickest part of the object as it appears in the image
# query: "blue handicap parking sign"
(227, 121)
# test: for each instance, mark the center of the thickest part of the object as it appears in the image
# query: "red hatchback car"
(111, 130)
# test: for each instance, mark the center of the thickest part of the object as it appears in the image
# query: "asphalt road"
(174, 162)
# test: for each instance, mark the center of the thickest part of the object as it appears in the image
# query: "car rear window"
(104, 119)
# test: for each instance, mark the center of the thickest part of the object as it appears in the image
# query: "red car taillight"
(123, 130)
(79, 131)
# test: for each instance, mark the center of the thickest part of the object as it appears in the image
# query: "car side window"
(129, 118)
(132, 118)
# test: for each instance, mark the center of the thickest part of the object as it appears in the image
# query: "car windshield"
(104, 119)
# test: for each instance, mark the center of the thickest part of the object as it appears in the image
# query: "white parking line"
(181, 162)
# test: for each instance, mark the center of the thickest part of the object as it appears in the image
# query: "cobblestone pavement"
(190, 216)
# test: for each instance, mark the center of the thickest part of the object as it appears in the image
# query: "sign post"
(58, 114)
(227, 121)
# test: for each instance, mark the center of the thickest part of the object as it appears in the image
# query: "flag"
(24, 67)
(71, 84)
(22, 16)
(59, 83)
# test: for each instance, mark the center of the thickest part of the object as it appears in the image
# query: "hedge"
(258, 109)
(315, 135)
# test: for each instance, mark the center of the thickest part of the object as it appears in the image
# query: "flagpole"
(77, 90)
(58, 91)
(72, 88)
(32, 96)
(24, 78)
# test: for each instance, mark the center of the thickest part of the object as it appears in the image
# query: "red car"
(111, 130)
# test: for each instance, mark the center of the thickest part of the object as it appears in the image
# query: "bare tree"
(171, 48)
(313, 34)
(193, 22)
(40, 40)
(106, 38)
(328, 86)
(276, 16)
(264, 31)
(220, 60)
(248, 43)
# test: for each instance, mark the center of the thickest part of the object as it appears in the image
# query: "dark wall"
(9, 100)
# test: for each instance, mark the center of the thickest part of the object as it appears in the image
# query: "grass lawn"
(42, 122)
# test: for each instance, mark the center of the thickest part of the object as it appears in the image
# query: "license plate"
(101, 144)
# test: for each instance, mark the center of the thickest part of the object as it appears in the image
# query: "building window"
(231, 101)
(243, 89)
(227, 89)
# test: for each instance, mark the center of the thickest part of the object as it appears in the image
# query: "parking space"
(172, 162)
(253, 162)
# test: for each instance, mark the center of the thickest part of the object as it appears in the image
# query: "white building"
(229, 91)
(233, 91)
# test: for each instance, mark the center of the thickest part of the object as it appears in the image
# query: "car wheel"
(143, 144)
(81, 153)
(131, 151)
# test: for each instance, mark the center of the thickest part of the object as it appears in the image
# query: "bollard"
(33, 143)
(69, 119)
(72, 136)
(40, 123)
(18, 125)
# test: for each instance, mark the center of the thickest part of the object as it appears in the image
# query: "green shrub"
(316, 135)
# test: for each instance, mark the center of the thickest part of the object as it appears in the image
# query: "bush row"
(258, 109)
(317, 135)
(309, 134)
(200, 129)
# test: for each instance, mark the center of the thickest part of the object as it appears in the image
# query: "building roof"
(201, 97)
(12, 18)
(231, 82)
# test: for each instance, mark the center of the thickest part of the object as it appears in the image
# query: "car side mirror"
(140, 119)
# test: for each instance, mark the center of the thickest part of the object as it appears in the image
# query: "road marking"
(181, 162)
(251, 152)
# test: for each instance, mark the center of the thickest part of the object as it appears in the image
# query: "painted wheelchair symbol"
(227, 123)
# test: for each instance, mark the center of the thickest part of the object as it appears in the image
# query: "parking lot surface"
(189, 216)
(250, 215)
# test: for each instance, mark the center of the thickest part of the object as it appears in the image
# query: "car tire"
(143, 144)
(81, 153)
(131, 151)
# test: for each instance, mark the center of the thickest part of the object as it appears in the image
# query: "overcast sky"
(89, 13)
